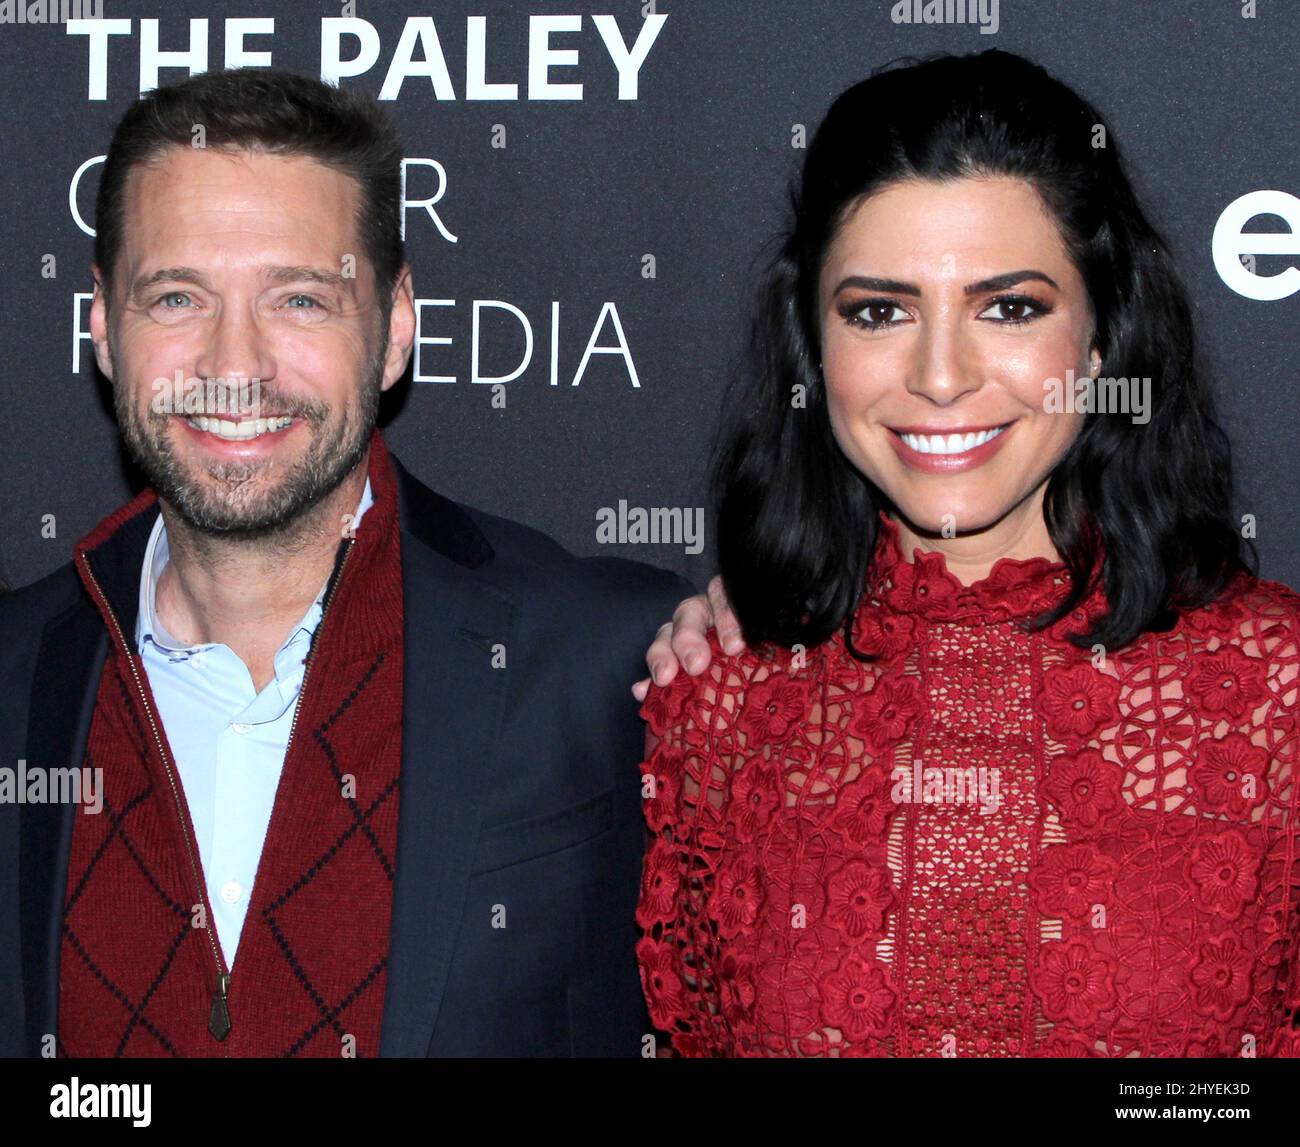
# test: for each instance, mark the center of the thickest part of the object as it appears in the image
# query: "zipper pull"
(219, 1020)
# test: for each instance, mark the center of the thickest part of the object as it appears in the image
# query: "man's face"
(235, 267)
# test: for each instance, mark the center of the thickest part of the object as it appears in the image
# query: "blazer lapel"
(73, 650)
(453, 703)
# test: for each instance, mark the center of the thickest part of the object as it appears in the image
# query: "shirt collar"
(156, 555)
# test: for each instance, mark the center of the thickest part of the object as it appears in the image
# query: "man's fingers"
(729, 634)
(641, 688)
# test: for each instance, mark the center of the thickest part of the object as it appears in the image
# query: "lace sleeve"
(1276, 640)
(678, 951)
(1286, 1043)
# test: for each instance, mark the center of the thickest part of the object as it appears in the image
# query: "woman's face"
(945, 309)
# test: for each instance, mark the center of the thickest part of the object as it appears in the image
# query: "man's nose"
(236, 350)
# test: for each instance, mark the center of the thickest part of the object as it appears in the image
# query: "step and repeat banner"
(590, 192)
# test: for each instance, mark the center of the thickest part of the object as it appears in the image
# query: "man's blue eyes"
(183, 295)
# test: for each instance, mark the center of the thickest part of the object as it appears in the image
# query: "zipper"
(311, 653)
(219, 1022)
(219, 1008)
(219, 1019)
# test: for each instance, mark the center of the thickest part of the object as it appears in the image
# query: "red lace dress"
(986, 843)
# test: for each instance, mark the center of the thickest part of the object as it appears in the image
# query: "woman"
(1008, 768)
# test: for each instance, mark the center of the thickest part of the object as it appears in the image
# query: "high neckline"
(925, 587)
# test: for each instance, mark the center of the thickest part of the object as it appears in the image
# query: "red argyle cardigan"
(140, 973)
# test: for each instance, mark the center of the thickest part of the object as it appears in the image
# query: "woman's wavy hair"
(797, 522)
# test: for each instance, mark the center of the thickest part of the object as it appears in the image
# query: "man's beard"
(230, 502)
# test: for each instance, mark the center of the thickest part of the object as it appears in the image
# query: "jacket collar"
(115, 548)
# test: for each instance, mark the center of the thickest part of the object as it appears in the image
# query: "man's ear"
(99, 323)
(401, 328)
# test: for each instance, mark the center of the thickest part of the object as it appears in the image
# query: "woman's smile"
(936, 450)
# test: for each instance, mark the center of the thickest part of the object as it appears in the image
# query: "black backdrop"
(693, 172)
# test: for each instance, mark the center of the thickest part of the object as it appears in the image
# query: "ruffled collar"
(923, 587)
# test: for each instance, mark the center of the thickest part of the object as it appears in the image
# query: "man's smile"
(238, 438)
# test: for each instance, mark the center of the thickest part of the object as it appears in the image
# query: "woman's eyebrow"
(1010, 279)
(898, 287)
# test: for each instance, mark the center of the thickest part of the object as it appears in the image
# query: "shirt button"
(239, 727)
(231, 892)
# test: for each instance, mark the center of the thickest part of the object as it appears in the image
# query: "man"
(366, 758)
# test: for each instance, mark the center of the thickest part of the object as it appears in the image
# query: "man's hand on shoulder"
(684, 641)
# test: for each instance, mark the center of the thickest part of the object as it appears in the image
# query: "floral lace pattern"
(985, 842)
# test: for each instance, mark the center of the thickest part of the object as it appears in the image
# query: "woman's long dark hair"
(797, 522)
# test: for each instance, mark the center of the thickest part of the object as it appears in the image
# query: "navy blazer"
(519, 786)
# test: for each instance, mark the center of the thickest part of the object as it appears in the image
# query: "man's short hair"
(272, 111)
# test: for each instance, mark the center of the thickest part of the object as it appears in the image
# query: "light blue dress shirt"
(227, 740)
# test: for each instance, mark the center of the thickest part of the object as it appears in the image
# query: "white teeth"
(950, 443)
(238, 431)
